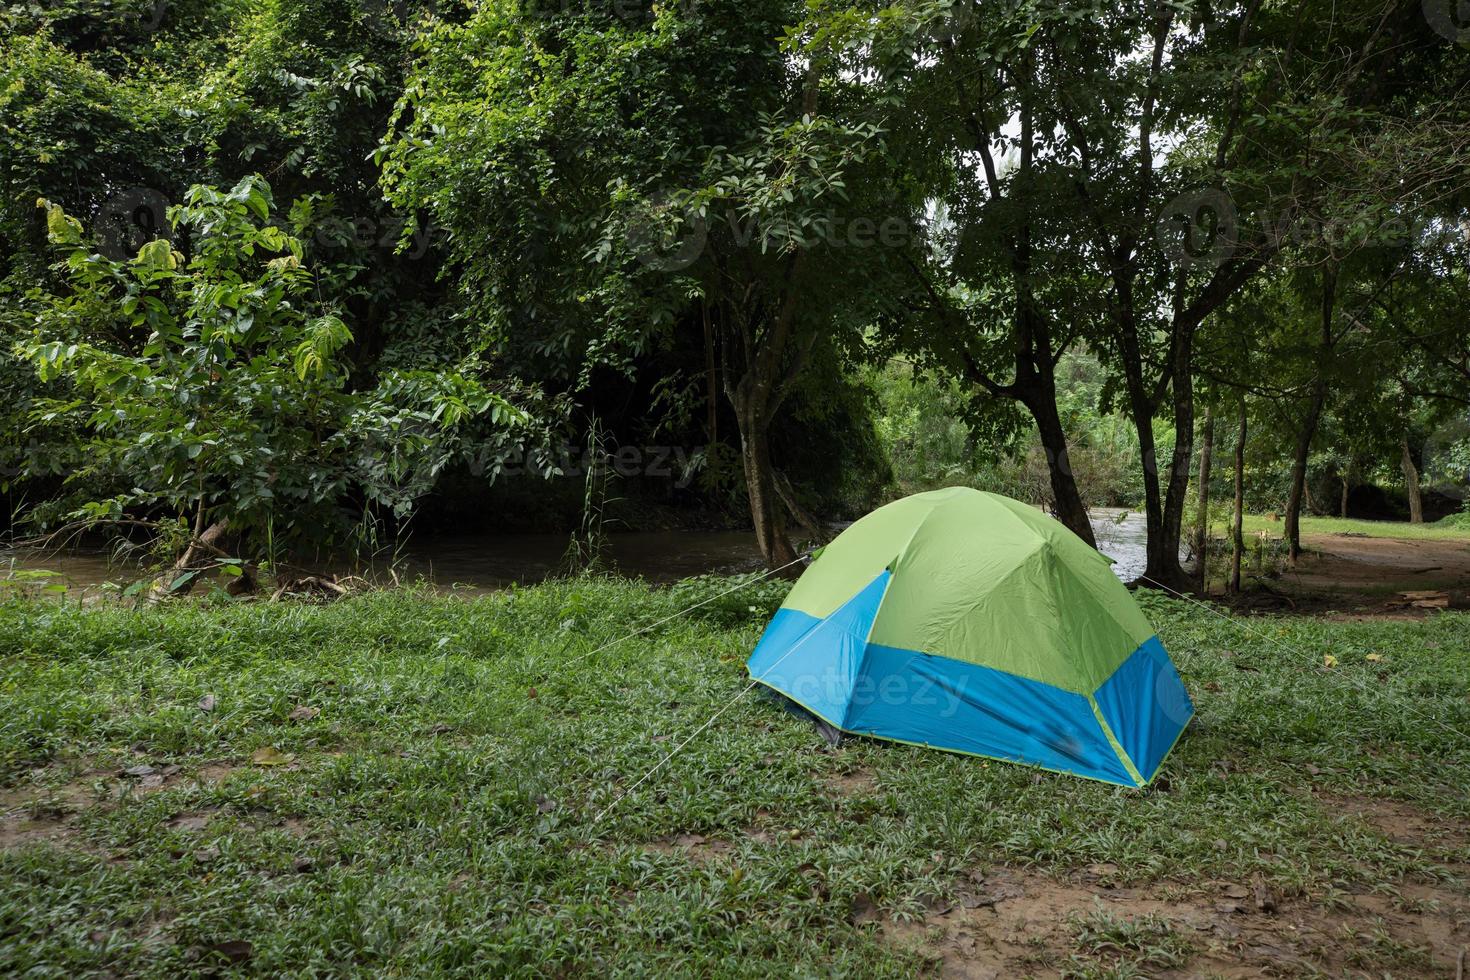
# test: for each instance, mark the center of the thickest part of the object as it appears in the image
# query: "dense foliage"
(825, 252)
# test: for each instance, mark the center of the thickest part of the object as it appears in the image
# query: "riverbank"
(408, 783)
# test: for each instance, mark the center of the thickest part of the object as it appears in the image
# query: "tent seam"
(1107, 731)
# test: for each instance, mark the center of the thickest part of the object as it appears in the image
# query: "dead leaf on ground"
(271, 756)
(207, 703)
(138, 772)
(303, 713)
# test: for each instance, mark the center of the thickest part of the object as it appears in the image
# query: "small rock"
(1236, 891)
(138, 772)
(207, 703)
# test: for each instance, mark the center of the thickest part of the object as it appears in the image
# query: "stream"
(485, 562)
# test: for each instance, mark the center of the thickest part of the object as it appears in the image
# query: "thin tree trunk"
(804, 518)
(1342, 508)
(1202, 521)
(1071, 510)
(1237, 539)
(1308, 430)
(1164, 511)
(1294, 498)
(766, 513)
(1411, 484)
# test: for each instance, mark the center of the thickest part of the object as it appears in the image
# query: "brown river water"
(479, 563)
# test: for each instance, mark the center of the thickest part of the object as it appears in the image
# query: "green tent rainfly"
(971, 622)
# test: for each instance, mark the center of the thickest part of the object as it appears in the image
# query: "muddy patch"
(1399, 822)
(693, 847)
(1367, 574)
(860, 782)
(1017, 922)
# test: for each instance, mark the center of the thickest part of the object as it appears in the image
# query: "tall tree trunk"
(766, 514)
(1294, 497)
(1071, 510)
(1411, 484)
(1308, 429)
(1202, 520)
(1237, 519)
(1164, 511)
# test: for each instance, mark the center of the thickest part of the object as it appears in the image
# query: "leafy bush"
(211, 391)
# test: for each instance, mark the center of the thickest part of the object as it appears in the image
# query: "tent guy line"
(696, 733)
(685, 611)
(1361, 684)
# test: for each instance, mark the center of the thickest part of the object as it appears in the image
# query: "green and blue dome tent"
(968, 621)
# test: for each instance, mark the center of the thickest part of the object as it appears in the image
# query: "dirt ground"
(1356, 574)
(1021, 923)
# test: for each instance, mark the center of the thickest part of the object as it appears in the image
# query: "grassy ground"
(1437, 531)
(437, 764)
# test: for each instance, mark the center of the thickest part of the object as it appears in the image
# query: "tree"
(1121, 119)
(607, 181)
(211, 389)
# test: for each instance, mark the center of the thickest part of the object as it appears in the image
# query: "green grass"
(437, 818)
(1446, 530)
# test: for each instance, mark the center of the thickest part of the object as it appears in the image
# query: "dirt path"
(1370, 572)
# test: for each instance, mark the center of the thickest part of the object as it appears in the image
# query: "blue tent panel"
(814, 661)
(1145, 704)
(950, 704)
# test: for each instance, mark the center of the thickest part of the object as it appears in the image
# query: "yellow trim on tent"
(1117, 745)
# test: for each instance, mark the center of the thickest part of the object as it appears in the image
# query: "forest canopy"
(277, 269)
